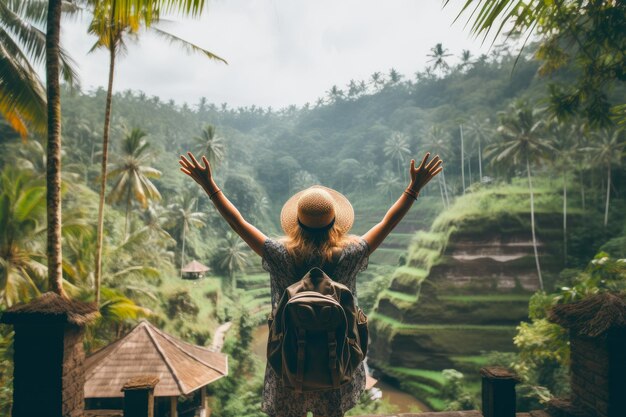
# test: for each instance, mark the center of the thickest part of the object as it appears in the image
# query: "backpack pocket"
(361, 324)
(274, 345)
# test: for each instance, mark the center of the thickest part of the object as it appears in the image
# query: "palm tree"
(113, 19)
(233, 256)
(212, 146)
(377, 80)
(388, 184)
(368, 173)
(607, 150)
(132, 174)
(394, 76)
(466, 56)
(22, 270)
(53, 158)
(303, 179)
(182, 217)
(480, 131)
(438, 142)
(397, 148)
(22, 49)
(523, 143)
(438, 55)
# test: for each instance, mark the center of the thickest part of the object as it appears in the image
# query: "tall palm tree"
(132, 174)
(438, 142)
(233, 255)
(564, 142)
(397, 148)
(113, 20)
(523, 144)
(438, 55)
(607, 150)
(481, 132)
(211, 145)
(182, 217)
(22, 50)
(53, 158)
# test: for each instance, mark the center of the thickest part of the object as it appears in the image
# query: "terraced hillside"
(464, 288)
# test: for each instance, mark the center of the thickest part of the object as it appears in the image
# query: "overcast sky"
(279, 52)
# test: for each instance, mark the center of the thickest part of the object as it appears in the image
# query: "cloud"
(280, 52)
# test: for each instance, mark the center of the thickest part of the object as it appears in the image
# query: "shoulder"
(274, 254)
(356, 245)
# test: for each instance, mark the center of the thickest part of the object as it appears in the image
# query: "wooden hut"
(183, 369)
(194, 270)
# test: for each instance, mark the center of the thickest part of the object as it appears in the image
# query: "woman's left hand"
(200, 174)
(426, 171)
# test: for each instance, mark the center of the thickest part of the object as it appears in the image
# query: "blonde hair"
(304, 245)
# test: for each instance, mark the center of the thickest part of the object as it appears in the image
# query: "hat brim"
(344, 213)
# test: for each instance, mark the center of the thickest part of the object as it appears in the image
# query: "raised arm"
(419, 178)
(203, 176)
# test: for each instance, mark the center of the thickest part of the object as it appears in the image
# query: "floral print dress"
(282, 402)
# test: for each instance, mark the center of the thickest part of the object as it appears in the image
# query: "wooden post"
(498, 392)
(139, 396)
(203, 410)
(48, 356)
(173, 405)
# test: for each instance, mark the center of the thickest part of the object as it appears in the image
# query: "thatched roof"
(196, 267)
(51, 307)
(592, 316)
(181, 367)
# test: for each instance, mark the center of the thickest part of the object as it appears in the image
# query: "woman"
(316, 222)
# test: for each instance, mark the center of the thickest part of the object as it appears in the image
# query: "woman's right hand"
(200, 174)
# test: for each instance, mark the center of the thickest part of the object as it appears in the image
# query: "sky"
(279, 52)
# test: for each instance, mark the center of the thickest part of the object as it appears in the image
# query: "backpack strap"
(301, 357)
(332, 358)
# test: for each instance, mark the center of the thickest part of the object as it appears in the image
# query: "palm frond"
(186, 45)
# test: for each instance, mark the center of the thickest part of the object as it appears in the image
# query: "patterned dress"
(277, 400)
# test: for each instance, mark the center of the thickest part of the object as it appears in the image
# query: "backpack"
(317, 334)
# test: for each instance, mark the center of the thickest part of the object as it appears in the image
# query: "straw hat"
(316, 207)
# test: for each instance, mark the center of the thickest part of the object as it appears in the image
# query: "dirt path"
(218, 338)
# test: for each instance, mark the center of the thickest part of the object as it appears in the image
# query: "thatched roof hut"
(181, 367)
(592, 316)
(194, 269)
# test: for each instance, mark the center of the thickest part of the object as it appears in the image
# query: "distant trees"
(211, 145)
(523, 144)
(232, 256)
(131, 174)
(607, 150)
(438, 55)
(183, 216)
(396, 148)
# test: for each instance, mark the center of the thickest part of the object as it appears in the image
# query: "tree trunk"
(53, 165)
(445, 189)
(443, 198)
(582, 189)
(103, 169)
(480, 161)
(564, 217)
(532, 223)
(127, 213)
(182, 253)
(608, 195)
(462, 159)
(469, 169)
